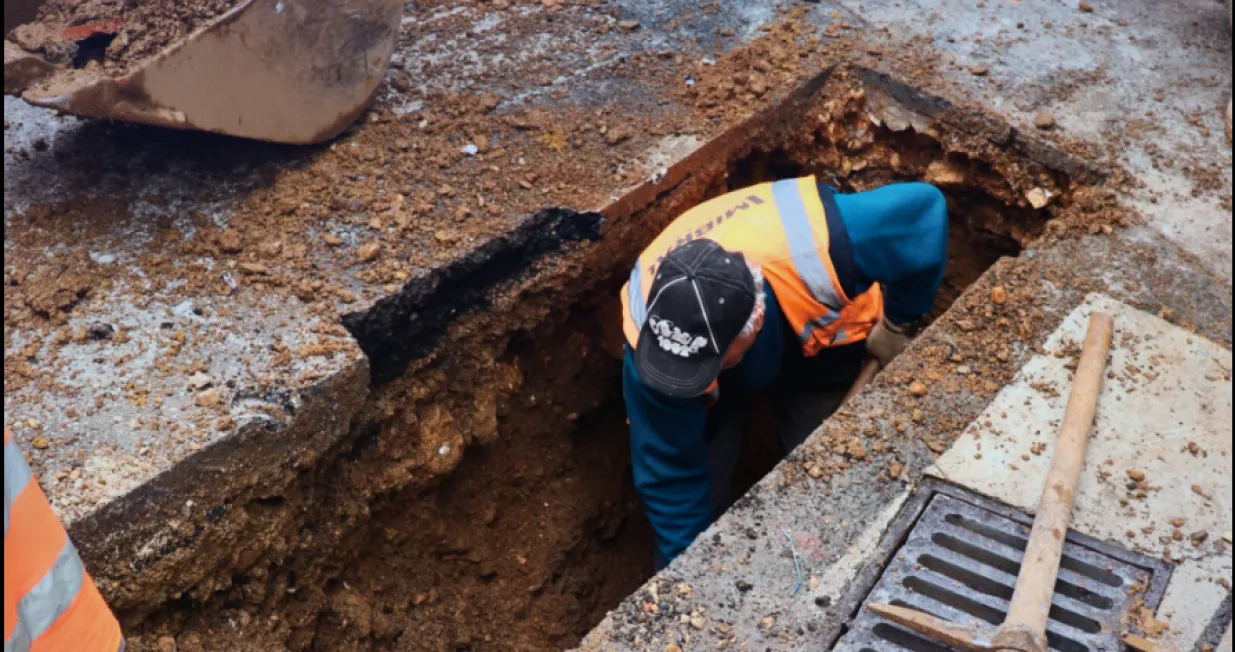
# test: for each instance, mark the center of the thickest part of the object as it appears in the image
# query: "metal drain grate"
(960, 563)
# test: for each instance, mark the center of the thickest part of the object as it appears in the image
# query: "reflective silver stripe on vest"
(801, 236)
(638, 307)
(841, 336)
(808, 331)
(16, 477)
(42, 606)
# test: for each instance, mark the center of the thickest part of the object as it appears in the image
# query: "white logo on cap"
(675, 340)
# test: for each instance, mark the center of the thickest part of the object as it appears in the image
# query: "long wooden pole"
(962, 638)
(1025, 627)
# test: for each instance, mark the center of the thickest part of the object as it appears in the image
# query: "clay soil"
(141, 29)
(525, 545)
(528, 543)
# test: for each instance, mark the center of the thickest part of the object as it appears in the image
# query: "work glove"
(886, 341)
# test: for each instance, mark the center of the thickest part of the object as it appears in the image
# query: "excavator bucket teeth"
(288, 71)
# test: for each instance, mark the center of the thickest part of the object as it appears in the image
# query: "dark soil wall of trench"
(530, 540)
(525, 541)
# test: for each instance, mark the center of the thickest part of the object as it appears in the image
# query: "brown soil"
(141, 28)
(524, 546)
(414, 194)
(527, 547)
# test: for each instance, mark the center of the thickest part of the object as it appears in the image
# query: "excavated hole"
(534, 536)
(545, 525)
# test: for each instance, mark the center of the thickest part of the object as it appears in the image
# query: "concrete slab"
(1225, 645)
(836, 578)
(1198, 589)
(1158, 473)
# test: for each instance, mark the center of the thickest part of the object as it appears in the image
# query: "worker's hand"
(886, 341)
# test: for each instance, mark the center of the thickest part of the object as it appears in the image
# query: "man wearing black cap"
(785, 288)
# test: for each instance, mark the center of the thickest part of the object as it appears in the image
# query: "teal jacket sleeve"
(670, 459)
(899, 238)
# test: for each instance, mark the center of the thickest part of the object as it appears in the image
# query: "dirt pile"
(135, 29)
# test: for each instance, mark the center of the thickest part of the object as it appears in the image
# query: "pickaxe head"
(975, 638)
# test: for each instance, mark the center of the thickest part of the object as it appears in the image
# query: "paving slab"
(1194, 600)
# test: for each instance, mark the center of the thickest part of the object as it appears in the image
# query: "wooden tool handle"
(870, 369)
(957, 637)
(1025, 627)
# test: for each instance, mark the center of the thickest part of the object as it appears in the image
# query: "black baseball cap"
(700, 301)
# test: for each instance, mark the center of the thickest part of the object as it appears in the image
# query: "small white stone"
(1038, 197)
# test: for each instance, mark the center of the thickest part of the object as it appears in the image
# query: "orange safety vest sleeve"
(783, 228)
(50, 602)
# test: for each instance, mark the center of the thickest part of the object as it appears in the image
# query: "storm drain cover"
(960, 563)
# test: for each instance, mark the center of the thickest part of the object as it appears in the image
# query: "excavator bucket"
(287, 71)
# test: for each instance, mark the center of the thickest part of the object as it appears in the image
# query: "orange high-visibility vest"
(50, 602)
(782, 228)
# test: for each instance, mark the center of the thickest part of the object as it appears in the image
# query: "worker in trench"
(785, 288)
(50, 602)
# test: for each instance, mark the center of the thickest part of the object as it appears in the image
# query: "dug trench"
(483, 499)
